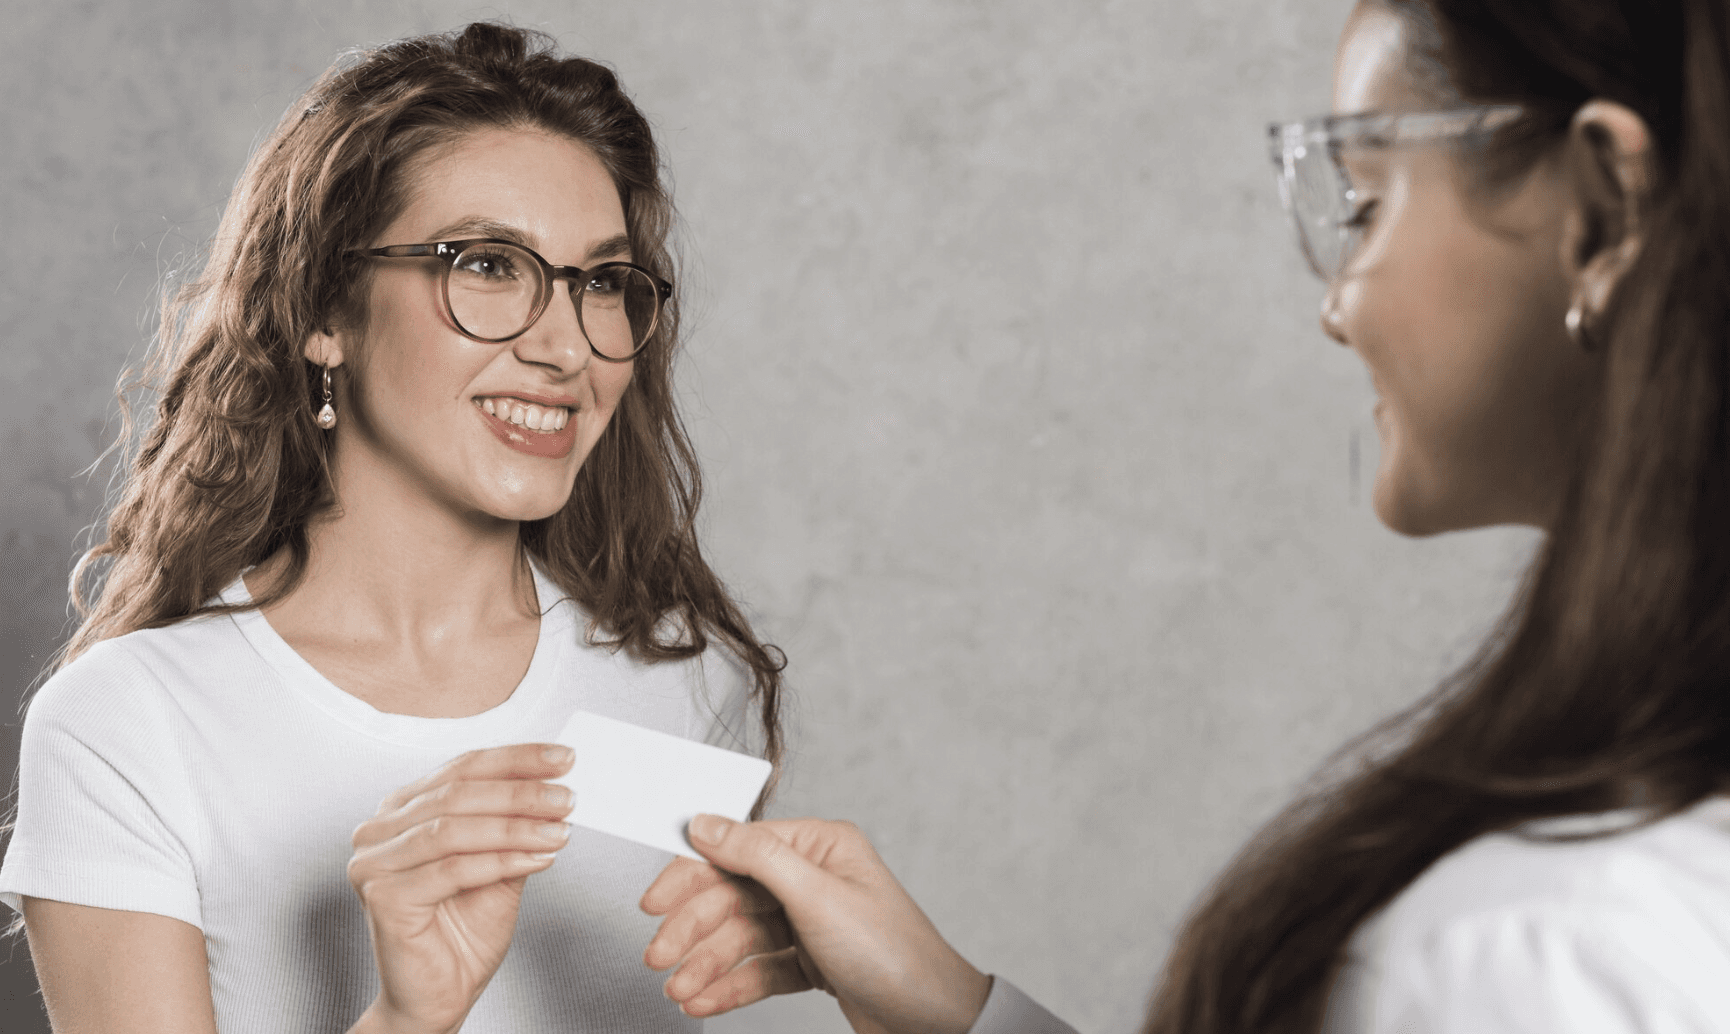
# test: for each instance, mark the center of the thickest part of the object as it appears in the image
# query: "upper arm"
(105, 971)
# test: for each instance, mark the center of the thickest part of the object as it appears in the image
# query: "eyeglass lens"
(1321, 199)
(493, 288)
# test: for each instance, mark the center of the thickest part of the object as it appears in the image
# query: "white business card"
(645, 785)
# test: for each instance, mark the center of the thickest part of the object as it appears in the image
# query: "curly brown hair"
(232, 469)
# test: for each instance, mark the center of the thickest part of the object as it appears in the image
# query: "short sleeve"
(1009, 1011)
(104, 809)
(1542, 972)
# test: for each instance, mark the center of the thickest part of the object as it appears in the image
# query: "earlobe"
(323, 348)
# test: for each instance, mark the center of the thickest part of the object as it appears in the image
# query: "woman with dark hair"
(412, 489)
(1522, 211)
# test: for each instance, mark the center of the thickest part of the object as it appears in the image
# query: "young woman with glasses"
(412, 492)
(1522, 212)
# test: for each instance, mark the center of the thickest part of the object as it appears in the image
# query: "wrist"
(972, 991)
(379, 1019)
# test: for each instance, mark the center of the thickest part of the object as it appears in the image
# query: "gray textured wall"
(1021, 436)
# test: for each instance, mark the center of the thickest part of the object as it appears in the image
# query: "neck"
(392, 565)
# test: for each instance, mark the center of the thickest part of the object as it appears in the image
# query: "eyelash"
(1361, 218)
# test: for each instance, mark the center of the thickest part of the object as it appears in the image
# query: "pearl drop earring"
(327, 415)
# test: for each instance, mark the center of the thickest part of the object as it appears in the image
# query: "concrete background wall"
(1021, 436)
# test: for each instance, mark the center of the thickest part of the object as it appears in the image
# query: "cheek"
(610, 383)
(411, 354)
(1455, 325)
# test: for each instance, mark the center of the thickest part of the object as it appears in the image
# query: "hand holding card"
(646, 786)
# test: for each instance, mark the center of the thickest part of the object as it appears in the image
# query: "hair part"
(1605, 683)
(233, 469)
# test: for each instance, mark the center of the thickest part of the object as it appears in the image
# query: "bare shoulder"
(103, 969)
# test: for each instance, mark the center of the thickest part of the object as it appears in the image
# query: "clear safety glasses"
(1313, 182)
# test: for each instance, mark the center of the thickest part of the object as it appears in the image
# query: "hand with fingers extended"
(788, 905)
(440, 872)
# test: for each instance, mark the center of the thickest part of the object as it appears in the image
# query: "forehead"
(551, 189)
(1370, 67)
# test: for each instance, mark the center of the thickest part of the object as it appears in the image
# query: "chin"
(537, 512)
(1419, 514)
(527, 505)
(1413, 509)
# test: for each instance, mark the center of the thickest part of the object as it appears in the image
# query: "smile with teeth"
(545, 419)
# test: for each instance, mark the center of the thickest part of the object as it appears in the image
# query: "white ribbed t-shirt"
(206, 772)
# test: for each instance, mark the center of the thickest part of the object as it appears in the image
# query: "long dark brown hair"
(232, 469)
(1608, 681)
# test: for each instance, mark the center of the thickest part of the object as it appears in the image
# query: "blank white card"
(646, 786)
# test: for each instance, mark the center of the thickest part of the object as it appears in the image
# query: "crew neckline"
(499, 722)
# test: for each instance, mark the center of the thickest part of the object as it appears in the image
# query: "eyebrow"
(610, 248)
(482, 227)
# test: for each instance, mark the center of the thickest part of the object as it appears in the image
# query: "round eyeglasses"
(495, 290)
(1314, 184)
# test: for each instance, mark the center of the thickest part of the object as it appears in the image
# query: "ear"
(1609, 160)
(324, 348)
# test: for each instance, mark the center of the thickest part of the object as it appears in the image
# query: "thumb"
(751, 849)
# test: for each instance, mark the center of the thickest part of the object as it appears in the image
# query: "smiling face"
(1455, 303)
(490, 431)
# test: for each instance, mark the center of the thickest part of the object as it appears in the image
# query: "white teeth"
(524, 415)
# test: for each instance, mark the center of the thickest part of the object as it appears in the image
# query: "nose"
(556, 340)
(1332, 315)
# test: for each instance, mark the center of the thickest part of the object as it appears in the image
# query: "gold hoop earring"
(1575, 321)
(327, 415)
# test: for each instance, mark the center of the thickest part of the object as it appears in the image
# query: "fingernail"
(558, 755)
(555, 831)
(556, 797)
(709, 828)
(544, 856)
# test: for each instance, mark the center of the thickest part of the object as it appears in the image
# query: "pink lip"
(554, 445)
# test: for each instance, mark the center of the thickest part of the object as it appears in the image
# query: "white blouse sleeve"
(1598, 971)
